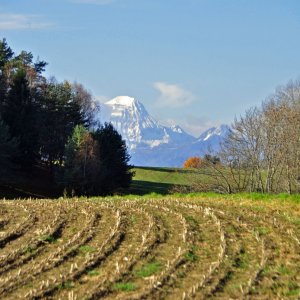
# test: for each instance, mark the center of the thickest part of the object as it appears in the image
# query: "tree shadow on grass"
(8, 192)
(167, 170)
(139, 187)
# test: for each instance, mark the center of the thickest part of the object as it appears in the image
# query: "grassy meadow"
(158, 180)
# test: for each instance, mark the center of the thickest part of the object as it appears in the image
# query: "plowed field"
(164, 248)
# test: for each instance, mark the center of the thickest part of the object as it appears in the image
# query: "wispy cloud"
(173, 95)
(10, 21)
(98, 2)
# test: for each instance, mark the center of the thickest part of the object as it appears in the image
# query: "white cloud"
(172, 95)
(22, 22)
(99, 2)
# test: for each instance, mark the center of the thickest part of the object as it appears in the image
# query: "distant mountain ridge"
(152, 144)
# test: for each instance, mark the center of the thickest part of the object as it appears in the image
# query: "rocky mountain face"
(152, 144)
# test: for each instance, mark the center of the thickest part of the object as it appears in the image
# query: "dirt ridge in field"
(160, 248)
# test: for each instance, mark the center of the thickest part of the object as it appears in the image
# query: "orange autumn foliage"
(193, 162)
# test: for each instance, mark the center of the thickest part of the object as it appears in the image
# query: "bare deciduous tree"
(262, 152)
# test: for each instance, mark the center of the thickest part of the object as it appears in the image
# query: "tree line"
(51, 124)
(262, 151)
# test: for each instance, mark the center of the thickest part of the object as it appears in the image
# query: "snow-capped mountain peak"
(128, 113)
(150, 143)
(221, 130)
(122, 100)
(136, 126)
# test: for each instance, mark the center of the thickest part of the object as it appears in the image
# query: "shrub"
(193, 162)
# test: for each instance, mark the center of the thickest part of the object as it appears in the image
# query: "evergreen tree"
(40, 115)
(81, 163)
(97, 163)
(115, 172)
(20, 89)
(58, 116)
(6, 54)
(8, 149)
(19, 113)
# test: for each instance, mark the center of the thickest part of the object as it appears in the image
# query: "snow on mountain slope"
(137, 127)
(214, 132)
(152, 144)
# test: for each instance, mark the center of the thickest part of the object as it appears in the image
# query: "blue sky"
(195, 63)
